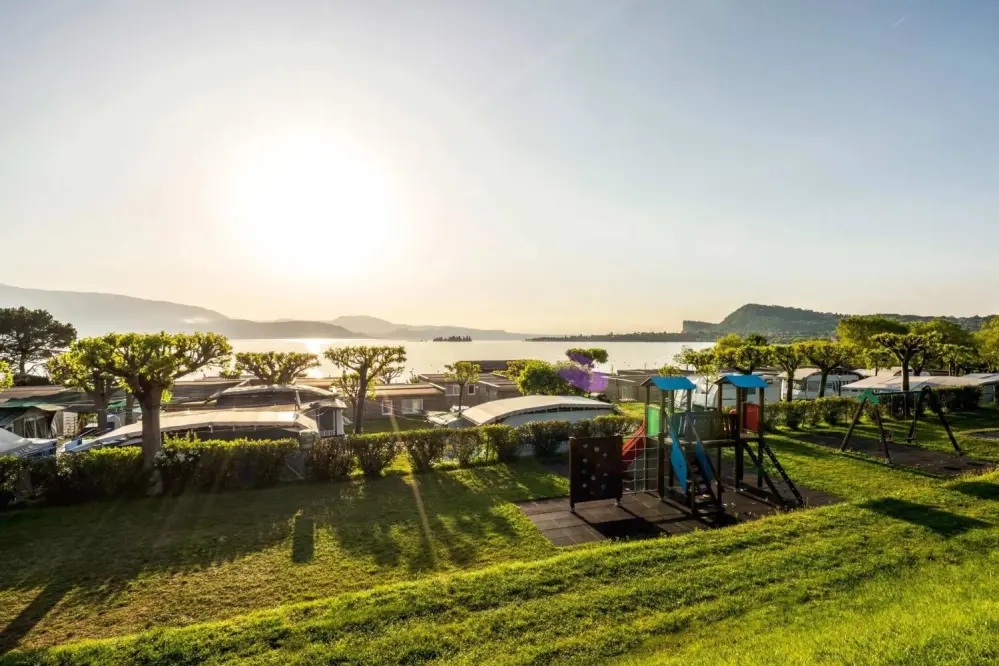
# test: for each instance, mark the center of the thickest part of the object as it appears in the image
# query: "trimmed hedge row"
(831, 411)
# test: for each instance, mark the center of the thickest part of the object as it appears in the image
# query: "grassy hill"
(442, 568)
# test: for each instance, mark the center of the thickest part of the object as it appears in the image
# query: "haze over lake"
(433, 356)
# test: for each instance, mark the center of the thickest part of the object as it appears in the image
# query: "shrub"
(501, 441)
(110, 473)
(606, 426)
(464, 445)
(373, 451)
(581, 429)
(214, 465)
(425, 447)
(786, 414)
(544, 437)
(834, 410)
(960, 398)
(329, 459)
(10, 476)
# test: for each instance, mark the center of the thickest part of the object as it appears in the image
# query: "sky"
(552, 166)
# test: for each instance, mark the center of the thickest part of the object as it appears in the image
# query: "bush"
(834, 410)
(544, 437)
(425, 447)
(607, 426)
(214, 465)
(785, 414)
(581, 429)
(10, 476)
(960, 398)
(464, 445)
(330, 458)
(111, 473)
(501, 441)
(373, 451)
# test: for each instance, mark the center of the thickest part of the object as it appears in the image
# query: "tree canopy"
(826, 356)
(6, 376)
(30, 337)
(788, 358)
(859, 330)
(79, 368)
(906, 346)
(743, 355)
(369, 363)
(987, 341)
(276, 367)
(147, 364)
(948, 332)
(541, 378)
(588, 357)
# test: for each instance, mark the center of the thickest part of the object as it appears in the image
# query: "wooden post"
(853, 424)
(739, 455)
(881, 432)
(662, 444)
(938, 408)
(759, 441)
(915, 415)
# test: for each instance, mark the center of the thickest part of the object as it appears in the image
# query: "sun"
(311, 203)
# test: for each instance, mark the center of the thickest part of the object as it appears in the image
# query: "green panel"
(652, 421)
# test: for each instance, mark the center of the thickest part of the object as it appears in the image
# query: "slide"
(632, 444)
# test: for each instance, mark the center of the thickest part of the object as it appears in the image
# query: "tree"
(789, 358)
(276, 368)
(514, 368)
(370, 363)
(958, 357)
(147, 364)
(948, 332)
(462, 373)
(393, 373)
(31, 336)
(987, 340)
(877, 358)
(826, 356)
(6, 376)
(859, 330)
(588, 357)
(703, 362)
(348, 385)
(905, 346)
(72, 369)
(541, 378)
(743, 356)
(670, 371)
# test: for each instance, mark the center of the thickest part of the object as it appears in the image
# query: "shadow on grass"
(982, 490)
(303, 540)
(944, 523)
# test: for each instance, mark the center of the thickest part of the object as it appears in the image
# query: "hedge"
(211, 465)
(832, 411)
(373, 451)
(501, 442)
(544, 437)
(329, 459)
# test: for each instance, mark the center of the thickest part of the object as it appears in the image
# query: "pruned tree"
(826, 356)
(959, 357)
(370, 363)
(788, 358)
(948, 332)
(541, 378)
(877, 358)
(906, 346)
(73, 370)
(462, 373)
(6, 376)
(348, 385)
(987, 341)
(276, 368)
(703, 362)
(859, 330)
(393, 373)
(148, 364)
(29, 337)
(743, 356)
(588, 357)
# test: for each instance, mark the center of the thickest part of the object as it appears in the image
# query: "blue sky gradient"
(566, 165)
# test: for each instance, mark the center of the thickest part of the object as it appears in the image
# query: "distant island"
(778, 323)
(453, 338)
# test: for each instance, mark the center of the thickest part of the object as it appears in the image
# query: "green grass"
(105, 569)
(904, 549)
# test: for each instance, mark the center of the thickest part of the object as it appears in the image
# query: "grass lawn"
(104, 569)
(901, 572)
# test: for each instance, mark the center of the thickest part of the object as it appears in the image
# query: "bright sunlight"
(333, 196)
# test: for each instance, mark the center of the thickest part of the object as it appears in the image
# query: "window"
(412, 406)
(386, 407)
(452, 389)
(471, 389)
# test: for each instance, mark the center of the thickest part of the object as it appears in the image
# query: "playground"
(682, 471)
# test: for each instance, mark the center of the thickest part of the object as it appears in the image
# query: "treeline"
(453, 338)
(648, 336)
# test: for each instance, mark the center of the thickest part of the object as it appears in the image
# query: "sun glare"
(311, 203)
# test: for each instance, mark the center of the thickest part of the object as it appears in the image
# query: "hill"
(380, 328)
(777, 322)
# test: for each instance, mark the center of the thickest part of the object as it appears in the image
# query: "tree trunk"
(789, 393)
(129, 408)
(822, 383)
(362, 395)
(461, 392)
(152, 440)
(102, 412)
(22, 365)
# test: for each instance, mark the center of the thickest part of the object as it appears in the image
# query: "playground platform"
(929, 461)
(643, 515)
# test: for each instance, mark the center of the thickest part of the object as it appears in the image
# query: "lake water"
(433, 356)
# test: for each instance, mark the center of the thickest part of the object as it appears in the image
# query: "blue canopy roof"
(744, 381)
(672, 383)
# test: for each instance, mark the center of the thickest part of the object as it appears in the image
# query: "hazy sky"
(540, 165)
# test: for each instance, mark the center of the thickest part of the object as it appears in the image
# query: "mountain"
(380, 328)
(779, 323)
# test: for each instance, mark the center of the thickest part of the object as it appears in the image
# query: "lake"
(433, 356)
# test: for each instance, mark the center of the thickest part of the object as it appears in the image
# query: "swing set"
(876, 398)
